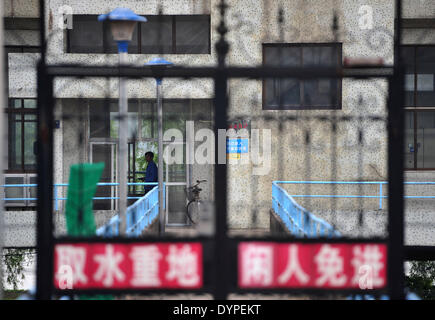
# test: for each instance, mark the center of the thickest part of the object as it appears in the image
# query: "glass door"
(176, 177)
(410, 149)
(425, 134)
(420, 140)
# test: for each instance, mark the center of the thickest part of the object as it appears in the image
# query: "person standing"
(151, 171)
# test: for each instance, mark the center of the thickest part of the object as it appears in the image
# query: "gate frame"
(220, 242)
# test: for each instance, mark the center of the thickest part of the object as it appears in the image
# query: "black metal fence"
(220, 258)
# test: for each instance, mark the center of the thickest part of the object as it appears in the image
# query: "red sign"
(296, 265)
(128, 266)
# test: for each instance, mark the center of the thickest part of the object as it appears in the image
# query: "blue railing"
(141, 213)
(138, 216)
(298, 220)
(111, 228)
(56, 197)
(379, 196)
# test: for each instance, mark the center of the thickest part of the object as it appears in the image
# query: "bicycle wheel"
(192, 212)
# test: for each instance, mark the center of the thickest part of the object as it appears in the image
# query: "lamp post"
(160, 63)
(122, 24)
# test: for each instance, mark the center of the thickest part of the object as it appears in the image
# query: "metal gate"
(220, 251)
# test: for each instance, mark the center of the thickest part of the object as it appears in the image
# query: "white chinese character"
(145, 265)
(183, 266)
(330, 266)
(257, 265)
(74, 257)
(367, 264)
(293, 267)
(108, 268)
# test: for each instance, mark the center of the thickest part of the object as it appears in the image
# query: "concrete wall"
(21, 8)
(307, 21)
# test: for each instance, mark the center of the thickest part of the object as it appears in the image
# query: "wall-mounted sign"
(316, 266)
(237, 146)
(128, 266)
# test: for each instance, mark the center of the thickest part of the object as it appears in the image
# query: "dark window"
(419, 61)
(22, 126)
(420, 140)
(301, 94)
(192, 34)
(420, 72)
(16, 23)
(104, 119)
(156, 35)
(86, 35)
(189, 34)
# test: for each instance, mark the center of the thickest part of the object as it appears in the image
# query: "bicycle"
(194, 202)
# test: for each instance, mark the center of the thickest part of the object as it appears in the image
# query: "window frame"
(301, 45)
(140, 50)
(415, 46)
(22, 111)
(414, 109)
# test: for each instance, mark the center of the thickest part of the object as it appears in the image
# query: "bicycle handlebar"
(196, 185)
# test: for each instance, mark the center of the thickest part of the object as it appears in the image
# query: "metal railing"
(139, 216)
(379, 196)
(57, 199)
(298, 220)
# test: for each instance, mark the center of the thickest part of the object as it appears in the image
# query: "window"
(21, 36)
(187, 34)
(22, 126)
(104, 119)
(419, 79)
(419, 63)
(143, 137)
(298, 94)
(420, 139)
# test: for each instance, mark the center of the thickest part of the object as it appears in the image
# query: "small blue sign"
(237, 145)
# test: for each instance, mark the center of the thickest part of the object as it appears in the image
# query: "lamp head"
(122, 23)
(159, 62)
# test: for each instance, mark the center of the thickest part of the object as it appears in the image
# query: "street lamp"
(160, 63)
(122, 24)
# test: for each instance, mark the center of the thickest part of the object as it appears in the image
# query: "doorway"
(105, 152)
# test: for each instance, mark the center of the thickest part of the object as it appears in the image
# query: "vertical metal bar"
(122, 148)
(395, 169)
(56, 208)
(415, 124)
(44, 266)
(45, 185)
(23, 167)
(380, 196)
(220, 172)
(42, 33)
(162, 217)
(2, 148)
(414, 114)
(134, 166)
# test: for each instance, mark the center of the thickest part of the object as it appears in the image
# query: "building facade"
(280, 114)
